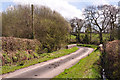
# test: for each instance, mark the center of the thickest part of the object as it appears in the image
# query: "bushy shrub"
(49, 27)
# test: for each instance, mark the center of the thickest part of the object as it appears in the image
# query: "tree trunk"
(90, 34)
(118, 33)
(33, 31)
(111, 36)
(79, 36)
(101, 38)
(112, 32)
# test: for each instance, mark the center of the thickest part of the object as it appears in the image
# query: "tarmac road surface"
(50, 68)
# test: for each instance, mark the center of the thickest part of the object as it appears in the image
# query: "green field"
(94, 37)
(87, 67)
(43, 57)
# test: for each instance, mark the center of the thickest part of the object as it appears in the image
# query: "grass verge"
(43, 57)
(88, 45)
(88, 67)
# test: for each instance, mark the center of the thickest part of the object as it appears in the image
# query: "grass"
(73, 37)
(95, 37)
(88, 45)
(87, 67)
(43, 57)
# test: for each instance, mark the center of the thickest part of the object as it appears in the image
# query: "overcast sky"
(67, 8)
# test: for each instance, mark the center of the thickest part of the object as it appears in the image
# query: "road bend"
(50, 68)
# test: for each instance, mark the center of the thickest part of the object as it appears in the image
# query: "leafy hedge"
(112, 59)
(13, 44)
(17, 49)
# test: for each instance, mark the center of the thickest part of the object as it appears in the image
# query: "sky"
(67, 8)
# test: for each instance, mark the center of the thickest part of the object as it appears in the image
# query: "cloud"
(100, 2)
(0, 7)
(11, 7)
(66, 9)
(92, 0)
(1, 1)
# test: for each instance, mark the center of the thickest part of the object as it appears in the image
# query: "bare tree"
(88, 24)
(72, 23)
(77, 24)
(118, 29)
(113, 17)
(98, 16)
